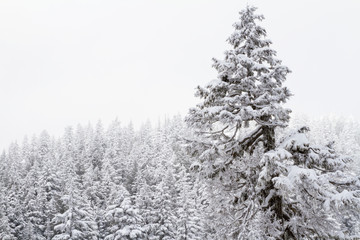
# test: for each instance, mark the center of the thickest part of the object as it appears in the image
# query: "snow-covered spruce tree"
(122, 220)
(77, 220)
(189, 217)
(6, 230)
(264, 189)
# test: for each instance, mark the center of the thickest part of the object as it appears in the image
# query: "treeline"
(97, 184)
(119, 183)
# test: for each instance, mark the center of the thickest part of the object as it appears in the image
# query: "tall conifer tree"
(264, 188)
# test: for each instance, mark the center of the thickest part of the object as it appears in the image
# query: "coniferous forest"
(238, 166)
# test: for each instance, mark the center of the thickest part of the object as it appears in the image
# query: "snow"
(155, 184)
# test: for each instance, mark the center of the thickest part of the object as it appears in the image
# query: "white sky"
(70, 61)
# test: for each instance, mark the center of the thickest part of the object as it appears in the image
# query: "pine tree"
(98, 147)
(77, 220)
(53, 192)
(37, 188)
(165, 205)
(6, 230)
(246, 168)
(122, 220)
(95, 172)
(145, 202)
(189, 222)
(240, 111)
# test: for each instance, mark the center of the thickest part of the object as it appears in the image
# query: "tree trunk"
(275, 202)
(268, 138)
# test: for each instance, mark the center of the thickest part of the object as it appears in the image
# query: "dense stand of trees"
(122, 183)
(238, 170)
(97, 184)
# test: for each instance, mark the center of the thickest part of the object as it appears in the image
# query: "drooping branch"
(244, 145)
(247, 142)
(216, 132)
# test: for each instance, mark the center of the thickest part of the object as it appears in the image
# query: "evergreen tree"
(144, 200)
(240, 158)
(77, 220)
(189, 218)
(122, 219)
(6, 230)
(165, 204)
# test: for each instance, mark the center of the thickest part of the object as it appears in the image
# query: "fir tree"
(122, 219)
(77, 221)
(238, 155)
(189, 217)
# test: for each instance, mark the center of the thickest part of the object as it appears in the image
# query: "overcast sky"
(68, 62)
